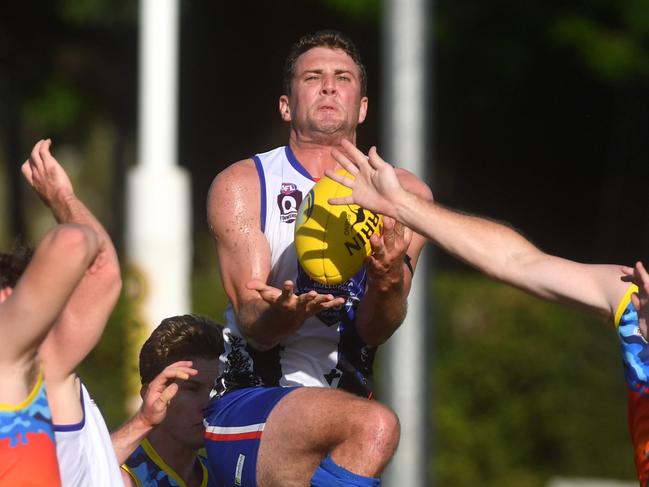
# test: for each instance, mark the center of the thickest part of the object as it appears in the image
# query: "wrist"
(403, 204)
(61, 204)
(389, 282)
(142, 423)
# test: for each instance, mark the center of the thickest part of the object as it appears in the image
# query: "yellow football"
(332, 241)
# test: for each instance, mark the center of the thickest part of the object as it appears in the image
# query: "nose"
(328, 84)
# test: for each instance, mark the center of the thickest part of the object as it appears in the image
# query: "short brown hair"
(323, 38)
(179, 338)
(13, 264)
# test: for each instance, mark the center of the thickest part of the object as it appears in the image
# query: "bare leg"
(309, 423)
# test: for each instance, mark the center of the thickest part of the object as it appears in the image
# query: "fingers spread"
(342, 200)
(344, 161)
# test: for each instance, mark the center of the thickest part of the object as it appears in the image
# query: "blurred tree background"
(540, 114)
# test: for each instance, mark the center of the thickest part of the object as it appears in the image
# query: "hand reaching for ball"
(291, 309)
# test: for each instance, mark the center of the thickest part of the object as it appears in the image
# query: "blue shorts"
(234, 426)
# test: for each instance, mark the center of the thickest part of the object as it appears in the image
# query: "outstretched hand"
(375, 185)
(161, 390)
(293, 309)
(638, 275)
(44, 173)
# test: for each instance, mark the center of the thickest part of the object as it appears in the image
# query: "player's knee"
(382, 430)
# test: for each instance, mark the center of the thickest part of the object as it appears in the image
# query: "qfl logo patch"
(288, 200)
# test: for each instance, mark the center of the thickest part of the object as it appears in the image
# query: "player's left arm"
(82, 321)
(390, 270)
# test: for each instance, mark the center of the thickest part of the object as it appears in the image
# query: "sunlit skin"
(323, 107)
(325, 104)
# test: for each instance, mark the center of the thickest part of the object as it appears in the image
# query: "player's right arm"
(264, 313)
(59, 263)
(156, 397)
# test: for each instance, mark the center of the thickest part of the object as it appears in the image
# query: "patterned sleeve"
(635, 357)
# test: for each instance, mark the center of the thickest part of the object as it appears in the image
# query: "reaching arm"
(491, 247)
(384, 306)
(264, 313)
(82, 321)
(156, 398)
(59, 263)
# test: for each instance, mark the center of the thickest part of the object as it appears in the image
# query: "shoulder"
(240, 174)
(414, 184)
(234, 190)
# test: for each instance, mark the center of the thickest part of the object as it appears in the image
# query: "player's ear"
(5, 292)
(284, 108)
(362, 111)
(143, 390)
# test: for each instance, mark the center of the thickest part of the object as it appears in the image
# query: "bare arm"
(156, 398)
(26, 316)
(384, 305)
(491, 247)
(82, 321)
(264, 314)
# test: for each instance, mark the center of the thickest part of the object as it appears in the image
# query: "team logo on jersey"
(352, 290)
(288, 200)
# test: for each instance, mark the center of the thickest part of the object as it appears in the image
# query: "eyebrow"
(320, 71)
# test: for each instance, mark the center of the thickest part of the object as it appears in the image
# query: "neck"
(182, 459)
(315, 154)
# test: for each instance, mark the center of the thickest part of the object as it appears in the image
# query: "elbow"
(76, 242)
(113, 279)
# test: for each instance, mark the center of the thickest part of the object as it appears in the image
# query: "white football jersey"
(326, 351)
(85, 452)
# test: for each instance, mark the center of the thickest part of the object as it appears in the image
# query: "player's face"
(184, 419)
(325, 95)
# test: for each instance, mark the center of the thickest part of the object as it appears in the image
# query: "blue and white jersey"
(326, 351)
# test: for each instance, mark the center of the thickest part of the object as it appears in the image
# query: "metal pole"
(405, 139)
(158, 200)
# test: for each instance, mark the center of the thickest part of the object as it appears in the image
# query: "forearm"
(381, 312)
(127, 438)
(489, 246)
(83, 319)
(67, 208)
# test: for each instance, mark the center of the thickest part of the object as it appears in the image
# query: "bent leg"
(360, 436)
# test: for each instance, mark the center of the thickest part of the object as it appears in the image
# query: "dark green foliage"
(524, 390)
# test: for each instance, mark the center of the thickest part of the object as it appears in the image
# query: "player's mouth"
(327, 107)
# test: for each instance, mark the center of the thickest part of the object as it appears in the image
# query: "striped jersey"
(327, 350)
(27, 444)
